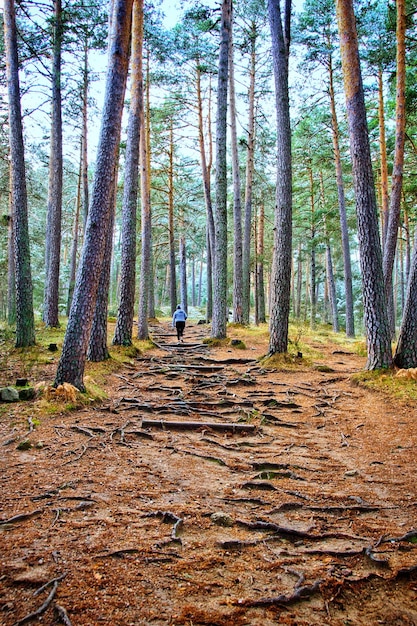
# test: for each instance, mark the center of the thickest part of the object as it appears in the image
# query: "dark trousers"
(180, 329)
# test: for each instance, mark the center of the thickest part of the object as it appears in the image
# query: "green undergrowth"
(284, 362)
(387, 383)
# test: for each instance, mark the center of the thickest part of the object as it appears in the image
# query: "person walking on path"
(178, 321)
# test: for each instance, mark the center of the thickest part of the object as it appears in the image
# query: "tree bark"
(125, 313)
(72, 363)
(54, 213)
(249, 179)
(183, 275)
(260, 251)
(383, 159)
(347, 263)
(75, 236)
(397, 174)
(25, 325)
(237, 205)
(146, 235)
(206, 172)
(85, 135)
(171, 234)
(97, 347)
(375, 313)
(11, 273)
(281, 260)
(218, 329)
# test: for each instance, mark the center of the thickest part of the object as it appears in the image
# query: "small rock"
(24, 445)
(28, 393)
(9, 394)
(352, 473)
(221, 519)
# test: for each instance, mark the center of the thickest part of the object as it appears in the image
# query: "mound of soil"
(210, 491)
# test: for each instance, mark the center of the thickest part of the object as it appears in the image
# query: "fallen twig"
(45, 605)
(168, 516)
(21, 517)
(294, 532)
(300, 593)
(62, 615)
(222, 426)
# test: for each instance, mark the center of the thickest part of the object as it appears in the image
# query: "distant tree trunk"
(152, 287)
(249, 180)
(75, 234)
(183, 274)
(125, 313)
(347, 264)
(375, 313)
(260, 300)
(72, 362)
(146, 237)
(218, 329)
(25, 325)
(383, 158)
(200, 279)
(85, 134)
(206, 165)
(171, 234)
(193, 290)
(397, 174)
(299, 283)
(331, 286)
(97, 347)
(407, 245)
(54, 213)
(281, 260)
(406, 351)
(313, 298)
(11, 274)
(237, 205)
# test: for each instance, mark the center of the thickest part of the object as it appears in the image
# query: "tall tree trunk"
(97, 347)
(72, 363)
(183, 275)
(249, 179)
(347, 263)
(281, 260)
(171, 233)
(237, 205)
(25, 325)
(406, 351)
(383, 158)
(193, 289)
(331, 286)
(54, 213)
(200, 279)
(260, 300)
(75, 236)
(299, 283)
(313, 298)
(146, 238)
(85, 134)
(375, 313)
(206, 164)
(11, 273)
(125, 313)
(218, 329)
(397, 174)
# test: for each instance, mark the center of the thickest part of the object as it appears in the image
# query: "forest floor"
(292, 501)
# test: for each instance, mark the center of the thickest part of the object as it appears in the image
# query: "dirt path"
(306, 515)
